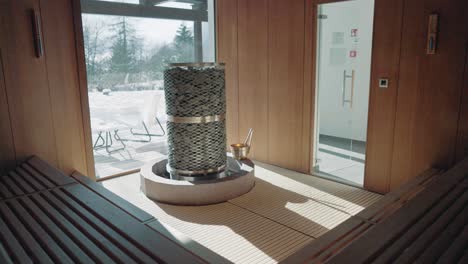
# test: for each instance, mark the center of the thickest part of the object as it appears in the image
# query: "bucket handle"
(248, 139)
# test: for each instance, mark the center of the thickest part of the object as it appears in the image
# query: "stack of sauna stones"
(196, 109)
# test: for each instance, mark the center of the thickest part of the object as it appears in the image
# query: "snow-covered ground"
(122, 111)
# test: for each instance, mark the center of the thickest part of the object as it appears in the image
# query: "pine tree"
(183, 42)
(183, 36)
(124, 47)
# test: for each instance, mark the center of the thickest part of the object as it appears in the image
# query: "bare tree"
(94, 48)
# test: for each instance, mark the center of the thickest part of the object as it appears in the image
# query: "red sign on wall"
(354, 32)
(352, 54)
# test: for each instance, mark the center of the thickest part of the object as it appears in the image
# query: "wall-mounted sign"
(352, 54)
(354, 32)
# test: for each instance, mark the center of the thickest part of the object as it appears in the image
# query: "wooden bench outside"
(48, 217)
(426, 220)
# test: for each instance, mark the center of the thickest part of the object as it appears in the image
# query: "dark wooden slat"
(12, 186)
(395, 225)
(25, 187)
(36, 184)
(53, 174)
(408, 246)
(9, 240)
(434, 231)
(57, 219)
(445, 238)
(377, 209)
(343, 242)
(385, 212)
(419, 180)
(53, 249)
(4, 257)
(161, 247)
(117, 243)
(53, 229)
(30, 244)
(418, 211)
(116, 200)
(38, 176)
(320, 247)
(188, 243)
(458, 249)
(100, 248)
(4, 192)
(463, 260)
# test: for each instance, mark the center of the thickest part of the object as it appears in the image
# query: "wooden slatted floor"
(284, 212)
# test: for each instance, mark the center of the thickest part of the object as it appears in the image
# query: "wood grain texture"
(26, 84)
(59, 44)
(382, 103)
(83, 89)
(424, 225)
(253, 74)
(7, 148)
(282, 214)
(462, 137)
(226, 23)
(271, 79)
(67, 222)
(286, 21)
(405, 235)
(308, 105)
(429, 90)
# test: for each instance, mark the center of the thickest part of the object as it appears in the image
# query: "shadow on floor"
(329, 186)
(276, 199)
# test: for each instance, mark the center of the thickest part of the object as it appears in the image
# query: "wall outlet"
(383, 83)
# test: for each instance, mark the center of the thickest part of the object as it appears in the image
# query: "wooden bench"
(48, 217)
(424, 220)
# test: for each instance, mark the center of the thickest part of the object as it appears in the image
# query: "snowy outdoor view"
(125, 60)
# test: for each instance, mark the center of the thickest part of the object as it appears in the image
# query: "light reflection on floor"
(339, 160)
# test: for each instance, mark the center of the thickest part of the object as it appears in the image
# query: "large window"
(127, 45)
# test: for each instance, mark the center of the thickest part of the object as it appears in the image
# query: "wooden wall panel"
(286, 21)
(83, 88)
(388, 19)
(253, 74)
(413, 124)
(462, 138)
(308, 105)
(40, 96)
(26, 84)
(60, 52)
(429, 89)
(7, 149)
(226, 12)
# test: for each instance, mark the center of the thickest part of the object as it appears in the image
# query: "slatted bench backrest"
(424, 219)
(48, 217)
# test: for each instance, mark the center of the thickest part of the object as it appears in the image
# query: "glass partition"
(127, 43)
(344, 49)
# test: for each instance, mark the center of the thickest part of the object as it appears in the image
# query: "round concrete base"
(157, 185)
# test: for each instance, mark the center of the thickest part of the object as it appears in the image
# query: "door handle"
(37, 34)
(343, 90)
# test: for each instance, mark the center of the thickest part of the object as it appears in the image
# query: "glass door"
(344, 47)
